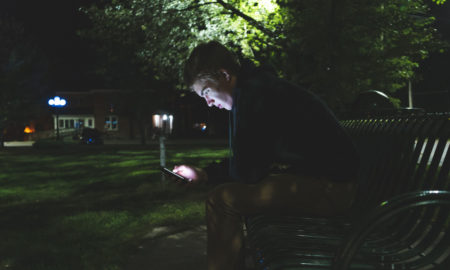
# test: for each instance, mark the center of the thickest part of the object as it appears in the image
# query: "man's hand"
(197, 175)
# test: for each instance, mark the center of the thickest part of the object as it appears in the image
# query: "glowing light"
(28, 130)
(269, 5)
(203, 126)
(156, 120)
(163, 121)
(57, 102)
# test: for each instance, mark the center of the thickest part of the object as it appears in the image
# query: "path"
(166, 248)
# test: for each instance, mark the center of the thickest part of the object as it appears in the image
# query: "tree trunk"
(2, 142)
(141, 128)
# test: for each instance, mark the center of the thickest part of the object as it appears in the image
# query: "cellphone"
(178, 176)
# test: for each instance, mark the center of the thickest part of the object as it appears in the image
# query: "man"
(288, 152)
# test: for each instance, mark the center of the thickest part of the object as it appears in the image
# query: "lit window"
(111, 123)
(107, 123)
(79, 123)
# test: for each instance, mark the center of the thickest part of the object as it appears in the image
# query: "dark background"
(53, 25)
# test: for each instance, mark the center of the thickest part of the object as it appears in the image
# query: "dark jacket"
(276, 126)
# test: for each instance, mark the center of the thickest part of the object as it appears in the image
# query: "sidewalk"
(166, 248)
(136, 142)
(19, 144)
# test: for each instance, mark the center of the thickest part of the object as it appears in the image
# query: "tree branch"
(233, 11)
(249, 19)
(191, 7)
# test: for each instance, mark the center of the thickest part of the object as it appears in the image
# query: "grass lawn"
(87, 207)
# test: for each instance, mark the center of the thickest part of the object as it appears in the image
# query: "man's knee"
(221, 193)
(226, 196)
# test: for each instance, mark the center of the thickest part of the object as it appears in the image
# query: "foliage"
(161, 33)
(336, 48)
(143, 43)
(346, 47)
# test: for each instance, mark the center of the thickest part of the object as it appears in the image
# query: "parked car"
(91, 136)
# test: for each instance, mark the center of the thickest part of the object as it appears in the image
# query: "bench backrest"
(400, 154)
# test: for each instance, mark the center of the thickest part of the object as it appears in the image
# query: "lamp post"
(162, 125)
(57, 103)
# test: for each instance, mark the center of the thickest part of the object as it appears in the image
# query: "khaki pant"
(277, 194)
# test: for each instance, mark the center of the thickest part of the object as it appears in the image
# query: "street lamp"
(162, 125)
(57, 103)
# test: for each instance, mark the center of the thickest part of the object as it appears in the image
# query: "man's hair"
(207, 59)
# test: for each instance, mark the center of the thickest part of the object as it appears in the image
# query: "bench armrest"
(381, 214)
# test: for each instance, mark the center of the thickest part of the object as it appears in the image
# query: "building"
(118, 114)
(124, 114)
(92, 109)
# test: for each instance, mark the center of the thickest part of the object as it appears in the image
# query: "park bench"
(400, 218)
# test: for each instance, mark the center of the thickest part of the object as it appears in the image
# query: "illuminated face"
(216, 93)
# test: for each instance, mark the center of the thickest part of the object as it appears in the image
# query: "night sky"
(52, 24)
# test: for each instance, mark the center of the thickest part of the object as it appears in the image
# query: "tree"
(162, 32)
(143, 43)
(22, 73)
(345, 47)
(336, 48)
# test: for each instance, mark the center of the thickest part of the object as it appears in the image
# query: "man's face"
(216, 93)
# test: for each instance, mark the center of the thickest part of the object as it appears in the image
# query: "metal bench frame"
(401, 216)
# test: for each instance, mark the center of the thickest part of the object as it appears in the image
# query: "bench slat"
(403, 158)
